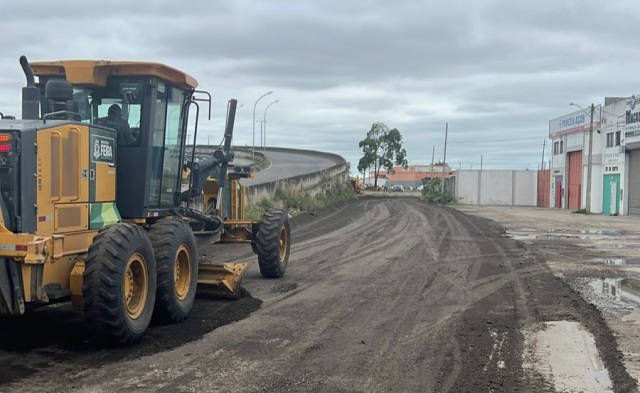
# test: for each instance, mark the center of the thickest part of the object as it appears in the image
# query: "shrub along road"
(381, 294)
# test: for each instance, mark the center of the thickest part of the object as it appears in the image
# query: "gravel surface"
(382, 294)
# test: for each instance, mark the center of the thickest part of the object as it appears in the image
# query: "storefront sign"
(574, 122)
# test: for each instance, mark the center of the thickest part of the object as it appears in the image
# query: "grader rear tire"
(176, 254)
(119, 285)
(273, 243)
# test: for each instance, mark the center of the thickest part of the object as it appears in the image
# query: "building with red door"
(569, 136)
(615, 158)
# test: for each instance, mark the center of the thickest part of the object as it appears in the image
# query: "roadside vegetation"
(261, 163)
(434, 193)
(297, 201)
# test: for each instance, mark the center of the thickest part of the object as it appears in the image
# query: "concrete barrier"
(313, 183)
(204, 151)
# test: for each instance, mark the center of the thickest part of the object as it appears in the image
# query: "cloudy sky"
(496, 70)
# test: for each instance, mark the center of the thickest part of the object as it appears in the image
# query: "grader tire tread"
(268, 243)
(102, 284)
(163, 235)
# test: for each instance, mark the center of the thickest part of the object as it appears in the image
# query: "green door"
(611, 195)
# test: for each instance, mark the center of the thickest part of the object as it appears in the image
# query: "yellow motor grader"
(356, 186)
(95, 208)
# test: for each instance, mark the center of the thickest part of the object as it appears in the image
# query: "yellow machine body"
(75, 196)
(101, 206)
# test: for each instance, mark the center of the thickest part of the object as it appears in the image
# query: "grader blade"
(221, 280)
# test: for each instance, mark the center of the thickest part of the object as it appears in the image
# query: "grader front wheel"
(119, 285)
(174, 246)
(273, 243)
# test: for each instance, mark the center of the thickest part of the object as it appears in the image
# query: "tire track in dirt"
(381, 294)
(536, 296)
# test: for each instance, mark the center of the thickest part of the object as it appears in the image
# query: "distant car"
(420, 187)
(397, 188)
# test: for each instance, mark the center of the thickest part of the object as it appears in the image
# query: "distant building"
(615, 158)
(382, 178)
(412, 176)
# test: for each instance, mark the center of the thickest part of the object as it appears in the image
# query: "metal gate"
(557, 194)
(544, 189)
(634, 182)
(574, 186)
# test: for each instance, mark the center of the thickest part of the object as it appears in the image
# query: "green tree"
(382, 148)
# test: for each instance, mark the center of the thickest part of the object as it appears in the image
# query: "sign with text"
(102, 149)
(574, 122)
(632, 116)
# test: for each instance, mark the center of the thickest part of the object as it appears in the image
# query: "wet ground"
(381, 294)
(598, 256)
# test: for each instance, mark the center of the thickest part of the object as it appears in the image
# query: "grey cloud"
(495, 70)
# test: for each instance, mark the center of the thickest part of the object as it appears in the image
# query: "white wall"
(596, 187)
(574, 142)
(497, 187)
(467, 187)
(526, 188)
(558, 160)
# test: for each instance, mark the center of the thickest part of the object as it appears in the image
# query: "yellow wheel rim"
(182, 272)
(136, 285)
(283, 244)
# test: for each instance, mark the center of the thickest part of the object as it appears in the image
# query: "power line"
(497, 140)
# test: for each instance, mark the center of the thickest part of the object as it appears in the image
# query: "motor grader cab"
(94, 208)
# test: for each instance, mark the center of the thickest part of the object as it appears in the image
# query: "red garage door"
(544, 184)
(574, 188)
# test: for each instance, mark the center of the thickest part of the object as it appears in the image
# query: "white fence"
(497, 187)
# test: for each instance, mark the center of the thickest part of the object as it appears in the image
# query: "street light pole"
(264, 121)
(589, 159)
(589, 162)
(254, 125)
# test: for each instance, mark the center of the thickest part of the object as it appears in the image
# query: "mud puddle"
(614, 261)
(612, 295)
(563, 233)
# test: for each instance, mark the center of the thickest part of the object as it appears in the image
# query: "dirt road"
(381, 295)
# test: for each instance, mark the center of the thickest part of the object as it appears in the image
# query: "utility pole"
(480, 183)
(444, 161)
(433, 155)
(589, 162)
(544, 145)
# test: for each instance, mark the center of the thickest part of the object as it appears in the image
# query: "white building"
(612, 171)
(569, 136)
(631, 145)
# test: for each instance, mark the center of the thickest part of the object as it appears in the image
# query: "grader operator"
(94, 203)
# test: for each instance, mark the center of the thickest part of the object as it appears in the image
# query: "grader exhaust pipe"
(30, 93)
